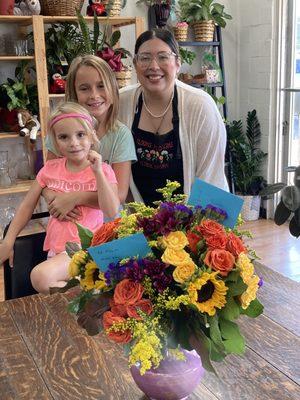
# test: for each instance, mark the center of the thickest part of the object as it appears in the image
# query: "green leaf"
(232, 276)
(96, 32)
(115, 37)
(215, 354)
(85, 236)
(234, 342)
(85, 32)
(236, 288)
(231, 310)
(202, 344)
(254, 309)
(215, 333)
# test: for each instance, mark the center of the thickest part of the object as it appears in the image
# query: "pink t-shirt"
(55, 176)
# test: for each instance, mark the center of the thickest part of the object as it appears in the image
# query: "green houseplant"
(203, 15)
(289, 205)
(247, 159)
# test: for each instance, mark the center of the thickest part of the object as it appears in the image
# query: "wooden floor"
(273, 244)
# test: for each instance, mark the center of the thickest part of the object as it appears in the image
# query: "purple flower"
(156, 270)
(261, 282)
(114, 274)
(134, 270)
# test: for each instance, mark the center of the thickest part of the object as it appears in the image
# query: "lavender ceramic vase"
(173, 379)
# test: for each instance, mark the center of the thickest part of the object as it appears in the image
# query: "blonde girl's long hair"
(109, 82)
(70, 107)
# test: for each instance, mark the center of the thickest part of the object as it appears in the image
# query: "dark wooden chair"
(28, 252)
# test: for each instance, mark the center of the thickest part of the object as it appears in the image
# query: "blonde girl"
(79, 168)
(92, 84)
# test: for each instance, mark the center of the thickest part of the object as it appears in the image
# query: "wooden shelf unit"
(21, 186)
(38, 23)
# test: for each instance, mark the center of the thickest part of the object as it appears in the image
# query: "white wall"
(257, 44)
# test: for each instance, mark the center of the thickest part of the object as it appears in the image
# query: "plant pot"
(7, 7)
(173, 379)
(251, 207)
(181, 33)
(123, 77)
(204, 31)
(60, 7)
(116, 7)
(162, 13)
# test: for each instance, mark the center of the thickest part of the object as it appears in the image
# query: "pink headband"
(72, 115)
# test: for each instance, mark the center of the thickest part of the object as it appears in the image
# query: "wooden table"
(45, 355)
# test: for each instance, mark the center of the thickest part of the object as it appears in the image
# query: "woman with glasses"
(177, 129)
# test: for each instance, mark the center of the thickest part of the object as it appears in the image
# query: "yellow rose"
(250, 293)
(245, 265)
(176, 257)
(175, 240)
(184, 272)
(73, 269)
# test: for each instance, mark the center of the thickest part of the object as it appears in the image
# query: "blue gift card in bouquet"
(205, 194)
(111, 252)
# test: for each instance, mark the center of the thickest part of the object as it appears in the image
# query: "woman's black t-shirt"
(159, 157)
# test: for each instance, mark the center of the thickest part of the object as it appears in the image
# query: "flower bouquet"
(185, 294)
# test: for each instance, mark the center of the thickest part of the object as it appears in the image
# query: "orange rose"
(105, 233)
(220, 260)
(193, 240)
(217, 241)
(209, 228)
(121, 336)
(128, 292)
(118, 309)
(143, 305)
(235, 245)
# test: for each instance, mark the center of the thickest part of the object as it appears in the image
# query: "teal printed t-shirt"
(116, 146)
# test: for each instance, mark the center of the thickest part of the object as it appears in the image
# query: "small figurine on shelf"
(28, 123)
(96, 7)
(27, 7)
(58, 84)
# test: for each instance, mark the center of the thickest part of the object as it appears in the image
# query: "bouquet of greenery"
(186, 293)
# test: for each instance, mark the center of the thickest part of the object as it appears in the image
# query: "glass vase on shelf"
(24, 164)
(5, 180)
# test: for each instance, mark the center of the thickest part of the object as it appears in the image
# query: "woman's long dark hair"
(162, 34)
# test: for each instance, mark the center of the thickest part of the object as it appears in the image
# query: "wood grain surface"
(44, 354)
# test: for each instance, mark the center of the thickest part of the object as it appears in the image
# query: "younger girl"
(78, 169)
(92, 84)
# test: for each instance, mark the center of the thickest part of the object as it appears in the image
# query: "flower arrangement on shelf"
(186, 293)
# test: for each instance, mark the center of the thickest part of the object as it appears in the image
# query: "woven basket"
(116, 7)
(251, 207)
(204, 31)
(60, 7)
(181, 33)
(123, 77)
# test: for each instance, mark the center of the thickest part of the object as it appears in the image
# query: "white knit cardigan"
(201, 131)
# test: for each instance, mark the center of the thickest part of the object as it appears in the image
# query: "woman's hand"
(63, 207)
(6, 252)
(96, 160)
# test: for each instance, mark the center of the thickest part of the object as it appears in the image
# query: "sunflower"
(208, 293)
(93, 277)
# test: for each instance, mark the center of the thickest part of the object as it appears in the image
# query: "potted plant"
(247, 159)
(102, 45)
(203, 15)
(289, 205)
(17, 94)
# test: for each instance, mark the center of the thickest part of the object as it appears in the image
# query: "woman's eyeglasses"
(163, 58)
